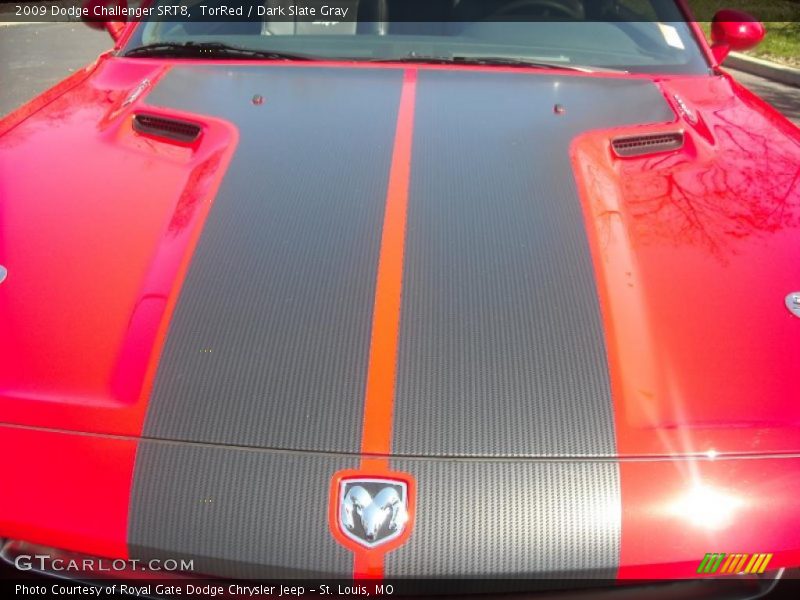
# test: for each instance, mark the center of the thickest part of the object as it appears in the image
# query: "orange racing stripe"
(376, 440)
(377, 426)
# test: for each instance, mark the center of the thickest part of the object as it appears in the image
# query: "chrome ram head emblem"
(793, 303)
(373, 511)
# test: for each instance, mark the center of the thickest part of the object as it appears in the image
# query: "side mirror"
(96, 20)
(734, 30)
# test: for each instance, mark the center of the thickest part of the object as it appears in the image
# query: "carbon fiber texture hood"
(501, 349)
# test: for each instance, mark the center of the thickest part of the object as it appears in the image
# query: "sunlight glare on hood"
(707, 507)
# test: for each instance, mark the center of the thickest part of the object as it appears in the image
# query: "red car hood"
(372, 267)
(691, 254)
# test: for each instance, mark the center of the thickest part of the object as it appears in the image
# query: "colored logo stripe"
(734, 563)
(710, 563)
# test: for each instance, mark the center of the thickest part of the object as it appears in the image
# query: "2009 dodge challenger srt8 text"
(463, 295)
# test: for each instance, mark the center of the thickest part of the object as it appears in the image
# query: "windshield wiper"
(531, 63)
(495, 60)
(209, 50)
(415, 58)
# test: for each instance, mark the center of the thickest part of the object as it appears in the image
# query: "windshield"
(629, 35)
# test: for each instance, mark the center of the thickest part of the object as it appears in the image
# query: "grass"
(781, 17)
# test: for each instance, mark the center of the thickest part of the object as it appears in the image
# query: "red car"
(483, 289)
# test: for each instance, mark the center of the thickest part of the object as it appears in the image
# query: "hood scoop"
(641, 145)
(178, 130)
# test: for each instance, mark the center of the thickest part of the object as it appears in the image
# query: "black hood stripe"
(526, 519)
(236, 512)
(500, 350)
(269, 342)
(501, 341)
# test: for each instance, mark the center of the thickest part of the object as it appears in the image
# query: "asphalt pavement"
(36, 56)
(783, 97)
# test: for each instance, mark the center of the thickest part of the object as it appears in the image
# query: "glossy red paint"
(735, 30)
(81, 340)
(66, 490)
(674, 511)
(701, 360)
